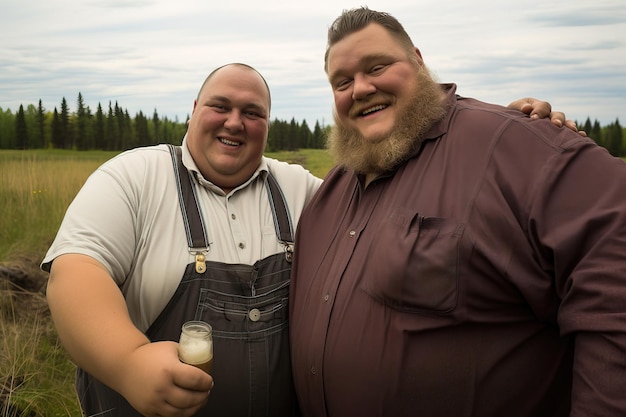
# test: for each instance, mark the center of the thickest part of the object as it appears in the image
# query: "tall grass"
(318, 161)
(36, 376)
(36, 188)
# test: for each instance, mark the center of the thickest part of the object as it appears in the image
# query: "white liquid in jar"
(195, 350)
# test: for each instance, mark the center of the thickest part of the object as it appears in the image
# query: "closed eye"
(343, 84)
(377, 69)
(218, 107)
(253, 114)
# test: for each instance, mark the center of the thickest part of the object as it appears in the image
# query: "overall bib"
(247, 306)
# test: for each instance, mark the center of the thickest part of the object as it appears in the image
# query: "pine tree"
(81, 139)
(111, 130)
(305, 139)
(65, 129)
(141, 130)
(596, 130)
(57, 131)
(318, 137)
(156, 124)
(41, 120)
(614, 142)
(98, 129)
(20, 129)
(293, 140)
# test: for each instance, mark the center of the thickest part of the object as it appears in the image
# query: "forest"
(112, 128)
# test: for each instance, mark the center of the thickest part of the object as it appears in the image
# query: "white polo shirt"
(127, 216)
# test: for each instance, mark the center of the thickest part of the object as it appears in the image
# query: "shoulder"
(472, 115)
(293, 178)
(140, 157)
(139, 163)
(135, 174)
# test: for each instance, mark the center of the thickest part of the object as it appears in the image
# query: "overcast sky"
(154, 54)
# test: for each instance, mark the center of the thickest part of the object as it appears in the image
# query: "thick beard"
(351, 150)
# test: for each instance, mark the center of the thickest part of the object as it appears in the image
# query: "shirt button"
(326, 297)
(242, 245)
(254, 314)
(313, 370)
(232, 216)
(352, 233)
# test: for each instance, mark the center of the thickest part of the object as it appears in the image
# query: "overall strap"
(282, 219)
(195, 228)
(197, 238)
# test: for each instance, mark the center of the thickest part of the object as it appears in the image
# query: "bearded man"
(462, 259)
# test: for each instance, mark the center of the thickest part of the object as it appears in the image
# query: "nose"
(234, 121)
(362, 87)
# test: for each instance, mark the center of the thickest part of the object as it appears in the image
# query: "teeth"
(373, 109)
(228, 142)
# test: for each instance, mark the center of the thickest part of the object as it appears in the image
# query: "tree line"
(113, 129)
(612, 136)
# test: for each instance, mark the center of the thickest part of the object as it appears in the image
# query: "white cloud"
(149, 54)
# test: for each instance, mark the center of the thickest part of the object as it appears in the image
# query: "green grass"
(318, 161)
(36, 376)
(36, 188)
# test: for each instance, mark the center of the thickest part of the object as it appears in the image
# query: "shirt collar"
(190, 164)
(441, 127)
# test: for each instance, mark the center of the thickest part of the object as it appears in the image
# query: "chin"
(376, 131)
(375, 136)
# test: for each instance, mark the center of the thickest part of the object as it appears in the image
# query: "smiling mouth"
(228, 142)
(373, 110)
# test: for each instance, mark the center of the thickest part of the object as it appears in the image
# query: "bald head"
(245, 67)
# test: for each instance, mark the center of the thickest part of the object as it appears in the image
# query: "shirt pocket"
(414, 263)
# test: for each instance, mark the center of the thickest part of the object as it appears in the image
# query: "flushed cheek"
(343, 104)
(256, 133)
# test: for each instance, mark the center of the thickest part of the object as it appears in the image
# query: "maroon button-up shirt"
(484, 277)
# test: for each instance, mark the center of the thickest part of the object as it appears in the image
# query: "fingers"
(538, 109)
(570, 124)
(161, 385)
(558, 119)
(534, 108)
(191, 378)
(183, 402)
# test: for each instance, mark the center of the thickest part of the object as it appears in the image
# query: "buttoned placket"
(350, 239)
(237, 229)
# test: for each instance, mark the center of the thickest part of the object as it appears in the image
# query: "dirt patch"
(22, 288)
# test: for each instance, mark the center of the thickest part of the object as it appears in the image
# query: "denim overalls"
(247, 306)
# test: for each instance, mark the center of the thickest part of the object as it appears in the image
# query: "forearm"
(91, 317)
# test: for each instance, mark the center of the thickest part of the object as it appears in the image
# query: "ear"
(419, 56)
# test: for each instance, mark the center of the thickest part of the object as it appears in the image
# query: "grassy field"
(36, 376)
